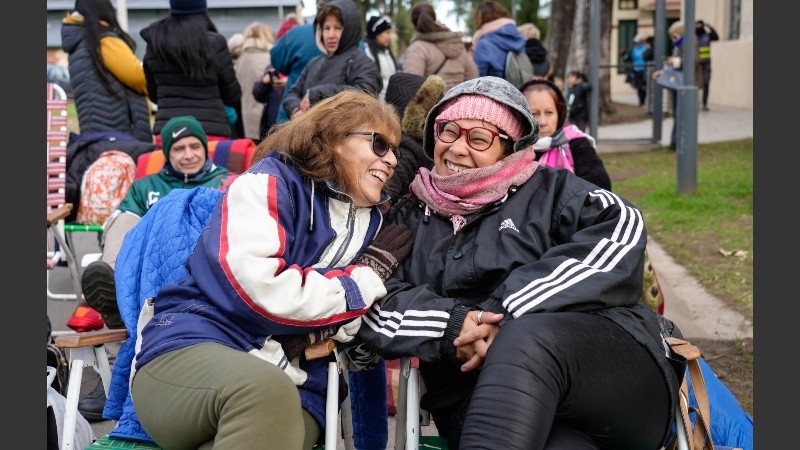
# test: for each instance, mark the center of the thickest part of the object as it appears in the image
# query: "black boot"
(91, 406)
(99, 289)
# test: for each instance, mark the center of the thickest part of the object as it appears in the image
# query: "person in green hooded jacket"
(186, 165)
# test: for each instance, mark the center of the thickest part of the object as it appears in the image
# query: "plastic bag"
(84, 435)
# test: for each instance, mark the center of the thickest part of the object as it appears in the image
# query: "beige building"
(731, 55)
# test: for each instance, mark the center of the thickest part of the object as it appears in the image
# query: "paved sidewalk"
(721, 123)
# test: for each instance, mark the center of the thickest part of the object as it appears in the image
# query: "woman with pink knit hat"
(521, 294)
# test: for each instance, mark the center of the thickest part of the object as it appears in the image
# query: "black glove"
(388, 249)
(294, 344)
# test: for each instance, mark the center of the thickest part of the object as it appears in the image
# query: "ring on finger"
(480, 322)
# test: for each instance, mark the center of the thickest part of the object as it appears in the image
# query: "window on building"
(627, 30)
(736, 19)
(628, 4)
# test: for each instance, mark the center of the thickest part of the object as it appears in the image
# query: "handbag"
(670, 78)
(699, 431)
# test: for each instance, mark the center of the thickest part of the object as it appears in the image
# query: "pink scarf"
(457, 195)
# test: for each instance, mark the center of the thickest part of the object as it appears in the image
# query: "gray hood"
(497, 89)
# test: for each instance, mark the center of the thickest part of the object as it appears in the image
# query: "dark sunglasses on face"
(380, 146)
(478, 138)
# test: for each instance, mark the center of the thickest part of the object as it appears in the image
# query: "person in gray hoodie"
(337, 30)
(521, 294)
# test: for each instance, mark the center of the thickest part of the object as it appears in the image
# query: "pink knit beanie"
(472, 106)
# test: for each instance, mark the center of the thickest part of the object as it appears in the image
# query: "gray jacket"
(497, 89)
(348, 68)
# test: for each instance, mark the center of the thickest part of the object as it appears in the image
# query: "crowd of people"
(404, 205)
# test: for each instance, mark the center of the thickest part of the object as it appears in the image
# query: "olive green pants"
(211, 396)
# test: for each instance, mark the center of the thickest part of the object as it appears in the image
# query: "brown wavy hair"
(487, 11)
(309, 139)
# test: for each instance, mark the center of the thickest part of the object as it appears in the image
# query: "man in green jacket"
(186, 165)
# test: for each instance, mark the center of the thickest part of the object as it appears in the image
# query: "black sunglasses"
(380, 146)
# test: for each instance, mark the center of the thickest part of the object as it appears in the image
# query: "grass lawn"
(710, 232)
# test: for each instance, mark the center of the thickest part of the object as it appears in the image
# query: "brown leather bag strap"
(700, 436)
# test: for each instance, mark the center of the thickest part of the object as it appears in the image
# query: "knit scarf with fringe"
(463, 193)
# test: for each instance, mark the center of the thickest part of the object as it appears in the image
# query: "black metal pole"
(659, 49)
(594, 66)
(686, 144)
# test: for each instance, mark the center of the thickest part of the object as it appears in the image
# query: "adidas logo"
(508, 223)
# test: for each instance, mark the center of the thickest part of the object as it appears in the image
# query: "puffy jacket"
(154, 253)
(309, 236)
(175, 95)
(126, 110)
(349, 67)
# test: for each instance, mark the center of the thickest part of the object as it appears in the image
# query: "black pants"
(567, 381)
(705, 70)
(640, 83)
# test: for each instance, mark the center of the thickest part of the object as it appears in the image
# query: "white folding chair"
(88, 350)
(59, 245)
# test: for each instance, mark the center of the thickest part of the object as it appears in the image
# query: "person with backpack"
(496, 36)
(187, 165)
(561, 145)
(437, 50)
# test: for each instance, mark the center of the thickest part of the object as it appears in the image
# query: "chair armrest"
(89, 338)
(320, 349)
(59, 213)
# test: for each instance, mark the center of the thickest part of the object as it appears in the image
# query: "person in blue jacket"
(496, 35)
(291, 257)
(289, 56)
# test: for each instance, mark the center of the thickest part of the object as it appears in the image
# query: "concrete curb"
(696, 312)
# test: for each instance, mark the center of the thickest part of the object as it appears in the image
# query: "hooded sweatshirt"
(347, 68)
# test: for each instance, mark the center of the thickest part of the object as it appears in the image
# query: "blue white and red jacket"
(276, 258)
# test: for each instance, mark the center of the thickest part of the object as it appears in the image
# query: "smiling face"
(332, 30)
(187, 155)
(449, 159)
(367, 172)
(543, 107)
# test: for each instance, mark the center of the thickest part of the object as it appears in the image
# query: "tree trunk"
(559, 33)
(606, 105)
(567, 43)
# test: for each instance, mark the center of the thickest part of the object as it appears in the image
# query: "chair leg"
(407, 424)
(412, 409)
(682, 439)
(331, 407)
(79, 358)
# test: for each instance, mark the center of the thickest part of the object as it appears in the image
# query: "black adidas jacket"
(555, 243)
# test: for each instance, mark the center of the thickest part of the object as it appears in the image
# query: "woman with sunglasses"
(287, 260)
(521, 293)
